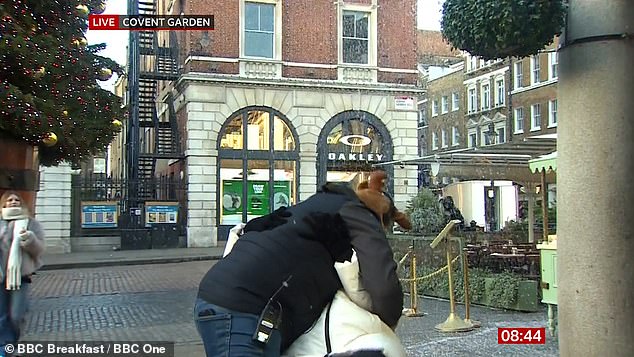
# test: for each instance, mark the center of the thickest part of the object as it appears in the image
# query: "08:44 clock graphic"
(521, 335)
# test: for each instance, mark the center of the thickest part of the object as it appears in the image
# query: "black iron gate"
(116, 219)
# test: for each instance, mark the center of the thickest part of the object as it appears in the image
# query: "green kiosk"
(548, 247)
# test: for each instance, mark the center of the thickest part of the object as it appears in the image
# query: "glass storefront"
(350, 145)
(258, 161)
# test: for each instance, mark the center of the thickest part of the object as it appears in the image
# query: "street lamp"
(491, 135)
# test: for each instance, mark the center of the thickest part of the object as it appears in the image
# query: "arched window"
(350, 145)
(258, 158)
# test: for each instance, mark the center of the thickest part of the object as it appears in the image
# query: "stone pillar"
(595, 171)
(53, 208)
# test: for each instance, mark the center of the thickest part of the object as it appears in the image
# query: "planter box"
(527, 299)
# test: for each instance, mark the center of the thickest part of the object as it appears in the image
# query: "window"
(552, 109)
(434, 108)
(536, 117)
(455, 99)
(422, 117)
(472, 138)
(486, 137)
(519, 75)
(553, 65)
(445, 138)
(434, 141)
(473, 63)
(486, 96)
(519, 120)
(257, 149)
(355, 37)
(473, 102)
(501, 135)
(259, 30)
(444, 101)
(499, 92)
(455, 136)
(535, 69)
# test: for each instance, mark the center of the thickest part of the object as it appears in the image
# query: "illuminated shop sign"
(355, 141)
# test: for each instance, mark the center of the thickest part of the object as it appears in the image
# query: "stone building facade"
(282, 97)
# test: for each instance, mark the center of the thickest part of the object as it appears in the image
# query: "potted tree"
(495, 29)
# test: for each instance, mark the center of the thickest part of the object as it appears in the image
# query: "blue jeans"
(228, 333)
(13, 306)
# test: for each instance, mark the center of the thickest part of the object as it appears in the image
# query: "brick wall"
(445, 86)
(310, 35)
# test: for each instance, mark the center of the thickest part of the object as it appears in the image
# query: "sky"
(429, 14)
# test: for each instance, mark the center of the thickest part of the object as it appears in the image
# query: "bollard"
(413, 288)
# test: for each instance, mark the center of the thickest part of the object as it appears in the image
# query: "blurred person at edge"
(22, 244)
(286, 260)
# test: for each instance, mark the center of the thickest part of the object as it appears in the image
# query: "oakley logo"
(355, 140)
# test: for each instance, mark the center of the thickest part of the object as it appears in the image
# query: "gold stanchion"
(453, 323)
(413, 288)
(467, 297)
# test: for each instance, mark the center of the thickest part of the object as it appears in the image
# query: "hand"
(25, 237)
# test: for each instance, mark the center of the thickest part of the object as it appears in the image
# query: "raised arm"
(377, 268)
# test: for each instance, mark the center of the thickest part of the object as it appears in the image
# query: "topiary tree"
(502, 28)
(425, 212)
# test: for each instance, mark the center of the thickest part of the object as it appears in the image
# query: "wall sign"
(99, 214)
(404, 103)
(160, 212)
(355, 157)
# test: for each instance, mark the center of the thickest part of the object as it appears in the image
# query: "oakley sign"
(355, 140)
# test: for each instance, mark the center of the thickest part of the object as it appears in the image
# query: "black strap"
(327, 329)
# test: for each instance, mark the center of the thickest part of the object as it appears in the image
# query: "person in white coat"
(21, 246)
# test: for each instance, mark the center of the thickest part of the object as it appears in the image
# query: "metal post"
(544, 204)
(453, 323)
(467, 297)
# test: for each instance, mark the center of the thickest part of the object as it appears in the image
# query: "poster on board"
(99, 214)
(161, 213)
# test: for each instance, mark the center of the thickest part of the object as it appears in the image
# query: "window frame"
(444, 104)
(535, 70)
(455, 101)
(536, 113)
(444, 138)
(500, 97)
(518, 119)
(485, 95)
(455, 136)
(434, 140)
(552, 104)
(372, 32)
(434, 108)
(518, 74)
(553, 65)
(472, 100)
(277, 29)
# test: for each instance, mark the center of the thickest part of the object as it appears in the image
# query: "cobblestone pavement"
(154, 303)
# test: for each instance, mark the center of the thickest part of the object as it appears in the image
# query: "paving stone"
(154, 303)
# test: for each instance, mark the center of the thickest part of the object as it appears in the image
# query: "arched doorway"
(258, 166)
(349, 145)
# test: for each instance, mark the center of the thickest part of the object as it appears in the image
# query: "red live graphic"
(103, 22)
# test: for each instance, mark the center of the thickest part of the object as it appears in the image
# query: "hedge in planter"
(495, 29)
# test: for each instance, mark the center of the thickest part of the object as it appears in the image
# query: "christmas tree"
(49, 95)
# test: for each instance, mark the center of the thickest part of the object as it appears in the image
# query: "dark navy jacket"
(261, 260)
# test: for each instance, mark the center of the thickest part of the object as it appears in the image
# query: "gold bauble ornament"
(82, 10)
(38, 73)
(99, 9)
(104, 74)
(65, 112)
(117, 123)
(50, 139)
(80, 42)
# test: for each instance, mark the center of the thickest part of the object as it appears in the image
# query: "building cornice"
(297, 83)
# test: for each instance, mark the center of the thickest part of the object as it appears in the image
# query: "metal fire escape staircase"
(150, 138)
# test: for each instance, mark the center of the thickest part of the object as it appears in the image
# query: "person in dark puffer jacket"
(287, 257)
